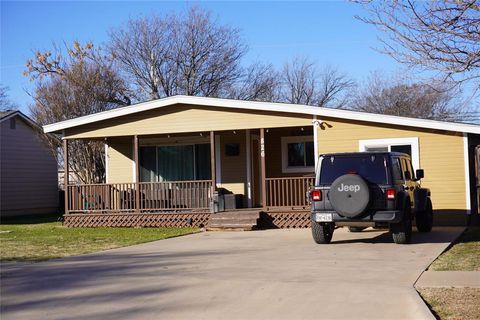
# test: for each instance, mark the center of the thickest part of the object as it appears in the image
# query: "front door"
(256, 172)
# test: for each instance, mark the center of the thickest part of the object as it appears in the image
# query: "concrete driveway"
(273, 274)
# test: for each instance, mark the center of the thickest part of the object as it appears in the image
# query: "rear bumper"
(389, 216)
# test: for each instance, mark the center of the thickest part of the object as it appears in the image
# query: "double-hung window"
(298, 154)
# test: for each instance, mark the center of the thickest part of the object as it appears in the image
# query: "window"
(372, 167)
(397, 173)
(13, 123)
(408, 168)
(298, 154)
(404, 145)
(175, 163)
(232, 149)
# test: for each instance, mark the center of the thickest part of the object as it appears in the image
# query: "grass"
(456, 303)
(453, 303)
(32, 239)
(463, 256)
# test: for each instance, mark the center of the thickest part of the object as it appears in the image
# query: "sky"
(326, 32)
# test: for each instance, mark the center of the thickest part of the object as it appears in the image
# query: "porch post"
(212, 161)
(66, 172)
(262, 167)
(137, 174)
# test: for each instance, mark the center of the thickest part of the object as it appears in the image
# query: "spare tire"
(349, 195)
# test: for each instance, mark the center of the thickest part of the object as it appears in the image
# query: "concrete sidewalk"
(272, 274)
(449, 279)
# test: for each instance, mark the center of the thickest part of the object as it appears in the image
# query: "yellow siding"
(273, 151)
(233, 168)
(441, 155)
(179, 118)
(120, 161)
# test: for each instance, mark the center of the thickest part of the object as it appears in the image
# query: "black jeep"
(364, 189)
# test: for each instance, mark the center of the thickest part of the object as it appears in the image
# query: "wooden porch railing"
(288, 192)
(192, 195)
(154, 196)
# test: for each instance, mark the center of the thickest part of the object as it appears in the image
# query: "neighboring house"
(28, 169)
(73, 178)
(166, 158)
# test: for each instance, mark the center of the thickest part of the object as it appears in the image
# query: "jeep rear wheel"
(322, 232)
(424, 219)
(402, 231)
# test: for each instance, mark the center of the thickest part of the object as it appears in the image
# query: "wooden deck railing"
(154, 196)
(288, 192)
(175, 195)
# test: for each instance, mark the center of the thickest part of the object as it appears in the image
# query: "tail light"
(316, 195)
(391, 194)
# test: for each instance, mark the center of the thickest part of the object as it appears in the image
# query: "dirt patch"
(453, 303)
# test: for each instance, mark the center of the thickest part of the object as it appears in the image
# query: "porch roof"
(262, 106)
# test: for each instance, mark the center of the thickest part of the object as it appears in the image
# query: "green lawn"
(37, 239)
(463, 256)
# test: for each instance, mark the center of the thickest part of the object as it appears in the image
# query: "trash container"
(233, 201)
(217, 203)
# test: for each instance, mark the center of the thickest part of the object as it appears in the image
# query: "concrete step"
(230, 226)
(228, 215)
(225, 220)
(234, 220)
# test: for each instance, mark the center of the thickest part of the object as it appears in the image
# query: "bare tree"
(258, 83)
(303, 83)
(333, 87)
(434, 35)
(400, 97)
(191, 55)
(299, 81)
(5, 103)
(79, 83)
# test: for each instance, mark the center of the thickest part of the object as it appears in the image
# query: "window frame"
(378, 143)
(284, 149)
(173, 144)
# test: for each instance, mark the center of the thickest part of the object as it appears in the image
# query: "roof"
(5, 115)
(263, 106)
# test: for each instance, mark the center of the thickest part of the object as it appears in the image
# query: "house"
(28, 169)
(168, 159)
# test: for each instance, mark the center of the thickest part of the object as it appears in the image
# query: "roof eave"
(263, 106)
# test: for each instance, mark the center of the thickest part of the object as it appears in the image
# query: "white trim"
(316, 124)
(106, 162)
(218, 161)
(362, 144)
(263, 106)
(248, 162)
(134, 172)
(466, 163)
(293, 139)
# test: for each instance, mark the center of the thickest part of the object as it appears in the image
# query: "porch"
(181, 179)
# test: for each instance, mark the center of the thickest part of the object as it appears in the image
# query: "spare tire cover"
(349, 195)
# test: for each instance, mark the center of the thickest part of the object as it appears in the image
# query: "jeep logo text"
(352, 187)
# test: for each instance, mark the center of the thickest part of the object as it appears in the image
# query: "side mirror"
(419, 174)
(408, 176)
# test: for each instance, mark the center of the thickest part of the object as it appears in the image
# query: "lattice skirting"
(285, 219)
(125, 220)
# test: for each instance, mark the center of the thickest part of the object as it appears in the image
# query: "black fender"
(421, 196)
(403, 200)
